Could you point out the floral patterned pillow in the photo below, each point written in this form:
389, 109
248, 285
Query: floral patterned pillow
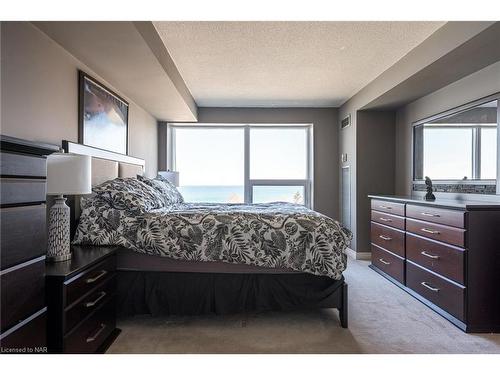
167, 190
129, 194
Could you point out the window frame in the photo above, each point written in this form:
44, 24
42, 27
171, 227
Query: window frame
307, 183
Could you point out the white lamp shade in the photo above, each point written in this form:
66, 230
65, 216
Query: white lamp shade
170, 176
68, 174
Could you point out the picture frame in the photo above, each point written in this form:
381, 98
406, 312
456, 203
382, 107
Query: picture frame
102, 116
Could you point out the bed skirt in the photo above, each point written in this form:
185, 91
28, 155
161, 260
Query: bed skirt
185, 293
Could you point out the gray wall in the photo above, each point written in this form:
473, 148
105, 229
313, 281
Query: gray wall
326, 155
370, 147
475, 86
375, 166
39, 99
347, 145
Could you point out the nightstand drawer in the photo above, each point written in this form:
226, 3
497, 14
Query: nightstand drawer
88, 337
90, 303
81, 284
388, 238
23, 291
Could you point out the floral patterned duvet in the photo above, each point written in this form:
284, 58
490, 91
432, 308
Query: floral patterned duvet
276, 235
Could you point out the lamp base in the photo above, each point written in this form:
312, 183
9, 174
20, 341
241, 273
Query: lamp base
58, 246
58, 258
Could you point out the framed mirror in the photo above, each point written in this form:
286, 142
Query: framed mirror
460, 146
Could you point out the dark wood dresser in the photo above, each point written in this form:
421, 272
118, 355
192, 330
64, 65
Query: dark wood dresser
23, 245
446, 253
81, 301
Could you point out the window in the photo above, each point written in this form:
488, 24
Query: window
476, 159
242, 163
460, 145
488, 153
211, 162
440, 158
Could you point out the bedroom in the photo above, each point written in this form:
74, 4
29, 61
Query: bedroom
250, 194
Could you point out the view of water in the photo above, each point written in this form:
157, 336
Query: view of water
235, 194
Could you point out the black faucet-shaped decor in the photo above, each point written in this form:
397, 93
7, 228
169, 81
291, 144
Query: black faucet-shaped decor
429, 196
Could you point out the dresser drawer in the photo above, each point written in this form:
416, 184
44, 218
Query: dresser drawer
453, 218
389, 207
388, 238
443, 293
90, 303
29, 334
22, 191
23, 291
23, 234
454, 236
13, 164
443, 259
389, 263
87, 337
81, 284
388, 219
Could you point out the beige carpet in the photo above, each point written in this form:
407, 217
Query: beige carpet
382, 319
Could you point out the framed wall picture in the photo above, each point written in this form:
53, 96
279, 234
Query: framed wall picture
102, 116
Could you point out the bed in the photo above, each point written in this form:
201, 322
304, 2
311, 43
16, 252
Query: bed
203, 258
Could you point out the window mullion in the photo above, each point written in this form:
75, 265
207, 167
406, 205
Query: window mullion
476, 152
247, 187
171, 148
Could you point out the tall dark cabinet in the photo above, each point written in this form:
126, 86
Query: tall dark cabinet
23, 245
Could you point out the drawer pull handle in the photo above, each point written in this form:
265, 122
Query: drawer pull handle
386, 220
96, 301
425, 253
98, 332
430, 231
429, 214
385, 238
384, 262
94, 279
386, 207
429, 287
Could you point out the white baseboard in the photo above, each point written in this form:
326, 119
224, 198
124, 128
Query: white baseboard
358, 255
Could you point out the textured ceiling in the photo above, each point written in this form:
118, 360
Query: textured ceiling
252, 64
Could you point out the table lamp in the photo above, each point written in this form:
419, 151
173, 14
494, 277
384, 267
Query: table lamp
67, 174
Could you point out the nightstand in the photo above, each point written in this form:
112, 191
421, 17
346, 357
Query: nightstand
81, 301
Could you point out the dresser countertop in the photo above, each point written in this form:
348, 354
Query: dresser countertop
440, 202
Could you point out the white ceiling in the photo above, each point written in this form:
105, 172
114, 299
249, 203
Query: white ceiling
265, 64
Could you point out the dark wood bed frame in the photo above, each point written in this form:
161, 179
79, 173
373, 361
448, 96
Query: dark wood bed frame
338, 299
